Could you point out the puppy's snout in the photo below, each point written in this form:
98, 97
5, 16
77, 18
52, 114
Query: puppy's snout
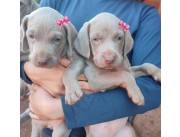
109, 56
42, 59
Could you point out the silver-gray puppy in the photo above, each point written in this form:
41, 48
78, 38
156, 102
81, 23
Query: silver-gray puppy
103, 47
47, 43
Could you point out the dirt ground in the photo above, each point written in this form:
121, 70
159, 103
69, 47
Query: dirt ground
146, 125
25, 127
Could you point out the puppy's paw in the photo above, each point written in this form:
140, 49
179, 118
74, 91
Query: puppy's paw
72, 95
157, 75
136, 96
138, 99
152, 70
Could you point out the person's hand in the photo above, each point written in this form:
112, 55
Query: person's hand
48, 82
86, 87
51, 78
48, 78
43, 105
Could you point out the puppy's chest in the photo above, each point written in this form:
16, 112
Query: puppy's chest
101, 79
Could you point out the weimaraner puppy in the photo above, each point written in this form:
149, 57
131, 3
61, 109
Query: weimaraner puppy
47, 42
103, 44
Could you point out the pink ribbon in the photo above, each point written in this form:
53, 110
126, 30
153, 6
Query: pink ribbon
63, 21
124, 26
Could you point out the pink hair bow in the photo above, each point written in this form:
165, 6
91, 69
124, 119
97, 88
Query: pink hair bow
63, 21
124, 26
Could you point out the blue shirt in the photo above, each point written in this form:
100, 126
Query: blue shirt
145, 28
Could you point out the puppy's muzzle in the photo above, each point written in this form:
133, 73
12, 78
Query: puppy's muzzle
109, 56
42, 60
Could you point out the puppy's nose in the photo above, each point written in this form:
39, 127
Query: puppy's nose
109, 57
42, 61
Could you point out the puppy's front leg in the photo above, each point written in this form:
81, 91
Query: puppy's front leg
73, 90
129, 83
36, 129
147, 69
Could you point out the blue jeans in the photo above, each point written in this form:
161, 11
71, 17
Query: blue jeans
76, 132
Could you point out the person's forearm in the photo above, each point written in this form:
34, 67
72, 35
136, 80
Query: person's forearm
84, 113
23, 74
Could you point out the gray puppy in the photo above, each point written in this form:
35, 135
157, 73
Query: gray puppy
103, 47
47, 43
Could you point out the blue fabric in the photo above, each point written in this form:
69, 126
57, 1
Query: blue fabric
78, 132
145, 28
23, 74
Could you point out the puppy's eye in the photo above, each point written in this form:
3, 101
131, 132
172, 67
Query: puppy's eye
31, 36
119, 38
96, 39
57, 40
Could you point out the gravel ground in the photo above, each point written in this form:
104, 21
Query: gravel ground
146, 125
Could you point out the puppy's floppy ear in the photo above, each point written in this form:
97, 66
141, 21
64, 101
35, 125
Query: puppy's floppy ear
82, 43
71, 34
23, 39
128, 42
